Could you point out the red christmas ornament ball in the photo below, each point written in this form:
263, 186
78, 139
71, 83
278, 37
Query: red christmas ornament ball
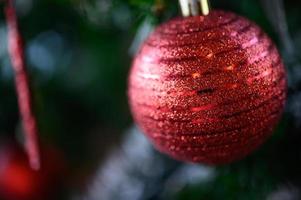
19, 182
207, 89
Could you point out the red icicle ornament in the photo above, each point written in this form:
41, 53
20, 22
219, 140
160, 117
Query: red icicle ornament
25, 101
207, 89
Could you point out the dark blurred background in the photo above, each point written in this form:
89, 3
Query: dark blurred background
78, 54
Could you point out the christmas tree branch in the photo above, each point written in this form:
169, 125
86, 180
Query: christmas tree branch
22, 86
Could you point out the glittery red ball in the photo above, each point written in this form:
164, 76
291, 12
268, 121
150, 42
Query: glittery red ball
207, 89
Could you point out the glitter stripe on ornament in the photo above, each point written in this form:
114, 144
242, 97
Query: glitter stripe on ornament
170, 125
177, 97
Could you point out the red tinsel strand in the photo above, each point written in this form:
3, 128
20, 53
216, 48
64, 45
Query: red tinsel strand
22, 82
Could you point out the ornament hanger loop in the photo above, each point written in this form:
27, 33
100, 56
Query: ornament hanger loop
194, 7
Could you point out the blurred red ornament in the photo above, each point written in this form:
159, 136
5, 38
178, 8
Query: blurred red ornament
18, 181
207, 89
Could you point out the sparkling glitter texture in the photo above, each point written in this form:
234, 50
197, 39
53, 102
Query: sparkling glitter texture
207, 89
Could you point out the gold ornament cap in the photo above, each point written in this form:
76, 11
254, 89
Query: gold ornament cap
194, 7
